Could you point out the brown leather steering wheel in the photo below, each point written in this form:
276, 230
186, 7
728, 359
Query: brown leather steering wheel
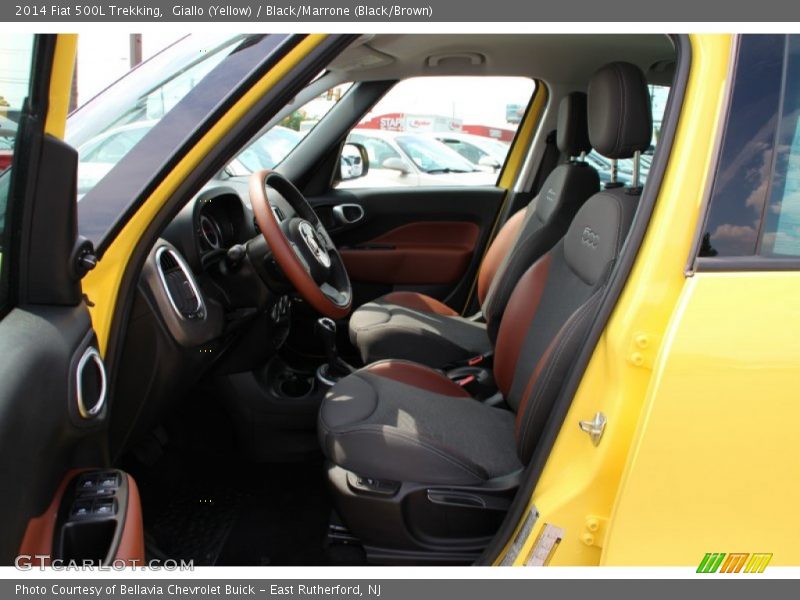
301, 246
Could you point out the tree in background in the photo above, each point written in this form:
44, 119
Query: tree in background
293, 120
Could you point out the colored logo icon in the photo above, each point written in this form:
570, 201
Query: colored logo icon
742, 562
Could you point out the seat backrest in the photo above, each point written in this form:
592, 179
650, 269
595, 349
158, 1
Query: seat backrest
556, 300
533, 230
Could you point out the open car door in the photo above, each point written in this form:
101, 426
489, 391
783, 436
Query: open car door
54, 500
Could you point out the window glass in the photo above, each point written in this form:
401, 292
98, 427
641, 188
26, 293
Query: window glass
131, 131
441, 131
743, 174
781, 231
271, 147
16, 51
105, 132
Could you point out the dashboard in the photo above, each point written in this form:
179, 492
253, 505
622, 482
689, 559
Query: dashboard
206, 303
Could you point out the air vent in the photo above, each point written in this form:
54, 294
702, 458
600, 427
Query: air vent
91, 384
179, 284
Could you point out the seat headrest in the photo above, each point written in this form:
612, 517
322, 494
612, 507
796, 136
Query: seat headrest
572, 131
596, 234
620, 116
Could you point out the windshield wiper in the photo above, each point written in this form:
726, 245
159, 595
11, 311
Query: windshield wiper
448, 170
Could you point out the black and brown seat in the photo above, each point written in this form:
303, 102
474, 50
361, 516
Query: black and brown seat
409, 325
419, 468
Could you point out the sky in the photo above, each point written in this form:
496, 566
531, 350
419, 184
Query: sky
102, 59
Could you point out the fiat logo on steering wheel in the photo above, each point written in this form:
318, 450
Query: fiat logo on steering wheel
310, 238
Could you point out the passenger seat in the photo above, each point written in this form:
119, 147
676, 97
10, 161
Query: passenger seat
413, 326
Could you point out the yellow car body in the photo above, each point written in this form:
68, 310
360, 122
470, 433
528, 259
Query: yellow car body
696, 372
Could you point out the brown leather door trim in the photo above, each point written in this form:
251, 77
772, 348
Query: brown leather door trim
38, 538
426, 252
131, 544
40, 533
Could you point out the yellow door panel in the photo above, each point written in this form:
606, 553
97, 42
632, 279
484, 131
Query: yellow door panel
723, 408
579, 484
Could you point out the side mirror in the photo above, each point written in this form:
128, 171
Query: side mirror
353, 161
397, 164
488, 161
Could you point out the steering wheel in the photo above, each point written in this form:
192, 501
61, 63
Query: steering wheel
301, 246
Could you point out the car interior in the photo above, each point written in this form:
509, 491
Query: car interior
320, 375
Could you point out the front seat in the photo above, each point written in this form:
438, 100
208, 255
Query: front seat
420, 470
417, 327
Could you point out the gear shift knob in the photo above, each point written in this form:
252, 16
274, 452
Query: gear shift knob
326, 330
335, 368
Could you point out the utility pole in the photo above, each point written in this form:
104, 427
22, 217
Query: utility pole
73, 92
135, 49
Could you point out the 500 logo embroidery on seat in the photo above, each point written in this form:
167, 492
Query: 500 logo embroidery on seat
590, 238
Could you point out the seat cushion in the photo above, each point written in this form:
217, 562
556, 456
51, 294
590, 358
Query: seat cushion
411, 326
400, 421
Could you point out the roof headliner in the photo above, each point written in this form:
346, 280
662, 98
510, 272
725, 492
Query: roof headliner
553, 58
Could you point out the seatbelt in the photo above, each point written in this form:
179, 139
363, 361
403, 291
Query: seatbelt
550, 158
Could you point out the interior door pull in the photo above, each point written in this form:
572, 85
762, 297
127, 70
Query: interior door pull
347, 214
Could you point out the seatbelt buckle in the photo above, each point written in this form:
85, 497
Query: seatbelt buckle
465, 381
476, 360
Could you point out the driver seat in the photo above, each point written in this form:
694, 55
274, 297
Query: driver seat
420, 470
413, 326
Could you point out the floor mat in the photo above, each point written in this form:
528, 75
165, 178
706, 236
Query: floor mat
245, 516
283, 520
203, 501
192, 525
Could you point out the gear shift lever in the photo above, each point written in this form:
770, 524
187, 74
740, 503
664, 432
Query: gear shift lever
326, 330
335, 368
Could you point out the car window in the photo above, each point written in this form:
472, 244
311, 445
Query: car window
469, 151
431, 156
441, 131
780, 235
754, 208
104, 135
270, 148
15, 77
658, 103
378, 150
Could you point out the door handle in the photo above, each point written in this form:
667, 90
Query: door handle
347, 214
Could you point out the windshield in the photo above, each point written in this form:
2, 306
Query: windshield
268, 150
108, 127
432, 156
130, 132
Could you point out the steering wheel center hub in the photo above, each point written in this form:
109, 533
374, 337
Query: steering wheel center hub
313, 243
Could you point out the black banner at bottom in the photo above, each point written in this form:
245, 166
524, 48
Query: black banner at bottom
733, 588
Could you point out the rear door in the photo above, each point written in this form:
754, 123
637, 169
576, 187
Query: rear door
421, 217
52, 379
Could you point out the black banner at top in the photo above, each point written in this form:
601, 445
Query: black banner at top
400, 11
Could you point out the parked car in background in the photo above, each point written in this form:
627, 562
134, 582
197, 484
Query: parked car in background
484, 152
411, 159
100, 154
8, 130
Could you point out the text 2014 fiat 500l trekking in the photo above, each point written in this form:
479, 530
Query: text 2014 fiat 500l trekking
286, 360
